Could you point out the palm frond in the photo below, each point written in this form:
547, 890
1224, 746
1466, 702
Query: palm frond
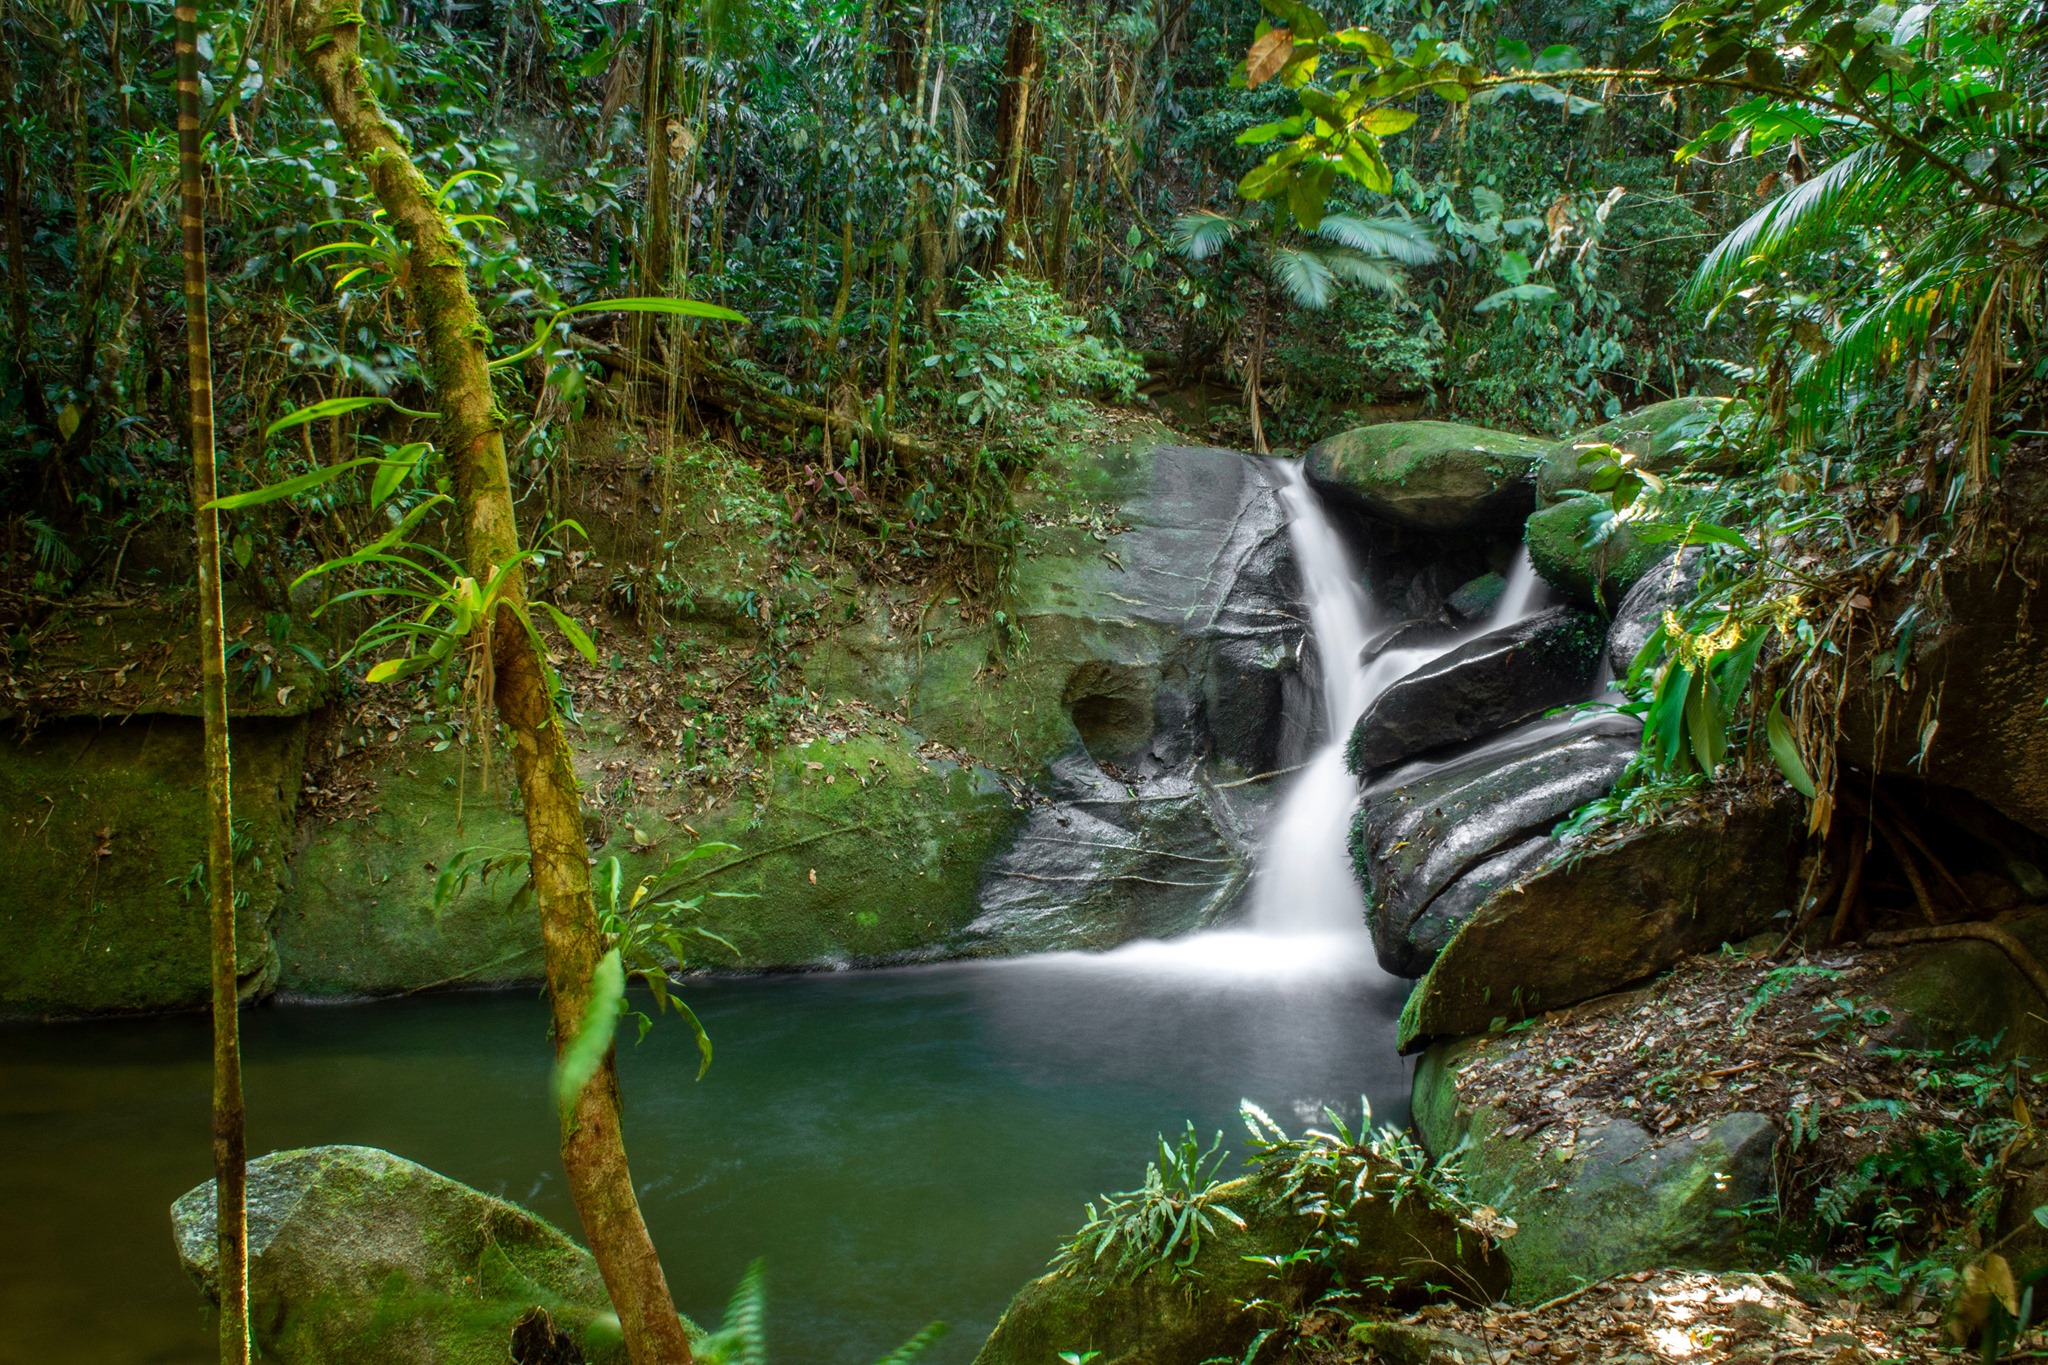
1849, 188
1356, 267
1397, 239
1306, 277
1202, 233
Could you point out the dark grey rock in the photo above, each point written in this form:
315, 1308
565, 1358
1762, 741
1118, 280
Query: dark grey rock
1670, 584
1432, 842
1486, 685
1477, 597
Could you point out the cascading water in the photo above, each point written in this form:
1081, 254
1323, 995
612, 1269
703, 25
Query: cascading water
1305, 883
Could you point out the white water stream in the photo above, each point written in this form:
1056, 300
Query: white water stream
1307, 911
1305, 883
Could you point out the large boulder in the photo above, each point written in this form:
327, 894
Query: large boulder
1612, 915
1609, 1199
1485, 685
1596, 576
1433, 842
1159, 1316
1430, 476
359, 1257
1659, 436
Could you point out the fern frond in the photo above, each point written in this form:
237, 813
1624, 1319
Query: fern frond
916, 1346
1355, 267
1793, 220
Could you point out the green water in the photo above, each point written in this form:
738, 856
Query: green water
901, 1145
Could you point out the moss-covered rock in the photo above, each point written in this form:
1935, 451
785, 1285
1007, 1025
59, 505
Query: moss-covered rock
1158, 1317
1611, 1201
1655, 435
1432, 476
359, 1257
1610, 917
104, 838
851, 851
1590, 575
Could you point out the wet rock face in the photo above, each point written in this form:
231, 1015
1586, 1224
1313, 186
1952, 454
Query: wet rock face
1430, 476
1432, 842
359, 1257
1180, 667
1595, 576
1484, 686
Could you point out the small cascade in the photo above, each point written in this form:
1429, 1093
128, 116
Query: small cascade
1305, 883
1525, 593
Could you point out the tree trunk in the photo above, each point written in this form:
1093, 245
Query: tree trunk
325, 37
1013, 121
230, 1147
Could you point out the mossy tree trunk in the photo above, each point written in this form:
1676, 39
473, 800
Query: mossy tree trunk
230, 1147
325, 37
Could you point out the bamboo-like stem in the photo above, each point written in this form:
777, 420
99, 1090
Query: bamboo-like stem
326, 39
230, 1145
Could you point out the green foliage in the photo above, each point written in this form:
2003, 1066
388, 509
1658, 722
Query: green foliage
1175, 1207
1017, 354
742, 1335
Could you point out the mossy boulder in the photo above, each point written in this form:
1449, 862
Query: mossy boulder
1658, 436
1159, 1317
103, 829
1611, 916
1589, 575
359, 1257
1608, 1201
1431, 476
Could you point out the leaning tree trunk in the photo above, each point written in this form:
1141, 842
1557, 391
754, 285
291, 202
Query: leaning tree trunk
325, 37
230, 1146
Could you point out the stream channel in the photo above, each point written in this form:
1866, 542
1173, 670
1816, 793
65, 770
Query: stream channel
901, 1145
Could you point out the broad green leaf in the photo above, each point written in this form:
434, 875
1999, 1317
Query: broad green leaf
336, 407
689, 308
1785, 749
696, 1028
392, 470
1387, 122
585, 1053
290, 488
576, 635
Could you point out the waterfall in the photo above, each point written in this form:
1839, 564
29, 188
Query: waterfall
1305, 883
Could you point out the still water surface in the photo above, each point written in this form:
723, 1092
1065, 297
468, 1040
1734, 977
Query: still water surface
901, 1145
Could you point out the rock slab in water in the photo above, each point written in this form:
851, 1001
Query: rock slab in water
1431, 843
359, 1257
1613, 1201
1614, 916
1154, 1319
1486, 685
1652, 434
1431, 476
